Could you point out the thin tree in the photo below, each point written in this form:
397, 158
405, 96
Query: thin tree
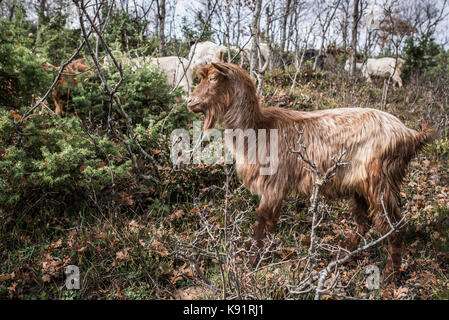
355, 22
284, 24
161, 26
255, 32
325, 24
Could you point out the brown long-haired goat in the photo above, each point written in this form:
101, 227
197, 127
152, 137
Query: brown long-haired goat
378, 147
67, 81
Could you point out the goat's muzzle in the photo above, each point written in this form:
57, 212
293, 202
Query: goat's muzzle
197, 105
194, 104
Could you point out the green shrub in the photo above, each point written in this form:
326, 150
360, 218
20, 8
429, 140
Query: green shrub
55, 164
55, 42
440, 147
421, 55
141, 93
21, 74
48, 162
123, 31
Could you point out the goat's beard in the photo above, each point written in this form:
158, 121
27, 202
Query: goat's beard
209, 118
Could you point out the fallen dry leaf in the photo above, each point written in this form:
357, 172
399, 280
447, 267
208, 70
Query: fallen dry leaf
123, 255
400, 293
7, 276
134, 226
56, 244
159, 247
192, 293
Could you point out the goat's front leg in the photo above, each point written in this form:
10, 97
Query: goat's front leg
58, 109
266, 216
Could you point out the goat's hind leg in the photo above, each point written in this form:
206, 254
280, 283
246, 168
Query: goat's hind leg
395, 239
259, 228
360, 214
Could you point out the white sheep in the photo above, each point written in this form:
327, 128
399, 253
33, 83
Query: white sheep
264, 51
384, 68
174, 67
358, 65
121, 58
177, 71
204, 53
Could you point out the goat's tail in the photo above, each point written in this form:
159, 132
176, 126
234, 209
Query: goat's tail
426, 134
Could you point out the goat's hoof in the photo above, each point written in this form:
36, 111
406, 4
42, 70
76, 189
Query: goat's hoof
254, 260
350, 243
390, 275
271, 228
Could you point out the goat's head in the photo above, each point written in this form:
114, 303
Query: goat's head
213, 94
46, 66
80, 65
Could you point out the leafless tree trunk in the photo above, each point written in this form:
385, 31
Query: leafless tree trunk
255, 31
237, 40
325, 24
269, 10
284, 24
41, 13
12, 11
228, 31
396, 42
299, 54
161, 24
293, 21
355, 23
344, 23
257, 65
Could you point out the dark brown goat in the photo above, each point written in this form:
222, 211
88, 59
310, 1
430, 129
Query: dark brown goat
378, 147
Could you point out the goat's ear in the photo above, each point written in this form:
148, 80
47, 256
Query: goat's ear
222, 68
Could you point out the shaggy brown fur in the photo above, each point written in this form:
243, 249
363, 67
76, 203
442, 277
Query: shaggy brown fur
377, 144
68, 80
